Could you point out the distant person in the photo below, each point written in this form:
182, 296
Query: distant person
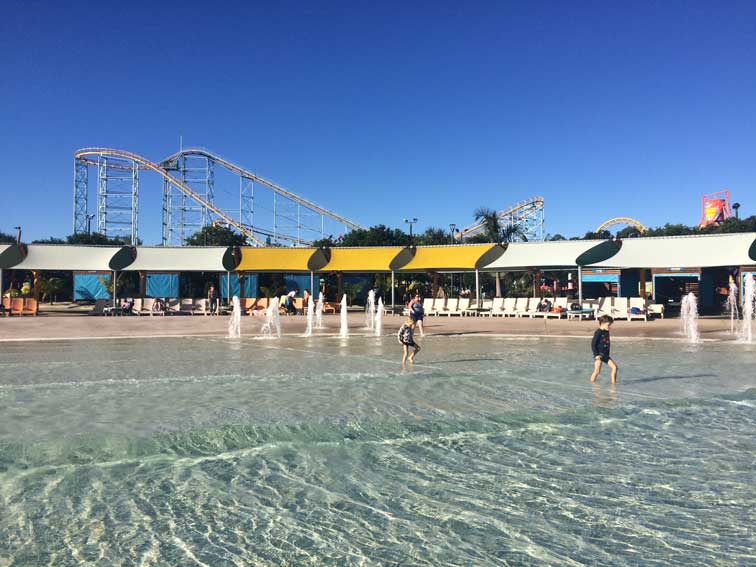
212, 298
289, 302
407, 340
544, 306
601, 345
158, 306
416, 312
306, 297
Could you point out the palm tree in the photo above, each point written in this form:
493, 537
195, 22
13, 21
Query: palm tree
495, 232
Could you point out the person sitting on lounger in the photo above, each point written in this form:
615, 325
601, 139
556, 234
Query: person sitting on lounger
158, 306
289, 302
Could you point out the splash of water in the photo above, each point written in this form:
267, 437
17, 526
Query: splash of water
689, 317
272, 326
344, 332
234, 322
310, 316
749, 309
732, 305
319, 312
379, 319
370, 310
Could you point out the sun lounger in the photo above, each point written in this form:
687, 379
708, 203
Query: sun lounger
137, 307
439, 306
186, 306
656, 309
6, 310
147, 304
462, 306
497, 307
604, 306
620, 308
451, 306
427, 305
532, 308
521, 307
640, 304
509, 309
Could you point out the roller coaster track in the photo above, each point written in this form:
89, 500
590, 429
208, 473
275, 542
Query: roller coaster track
513, 214
86, 155
623, 221
167, 164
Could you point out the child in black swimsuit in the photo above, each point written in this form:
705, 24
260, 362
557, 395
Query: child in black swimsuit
407, 340
601, 345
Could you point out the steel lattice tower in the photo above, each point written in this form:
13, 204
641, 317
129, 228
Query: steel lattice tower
183, 216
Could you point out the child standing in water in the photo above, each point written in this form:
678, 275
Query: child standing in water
601, 344
407, 340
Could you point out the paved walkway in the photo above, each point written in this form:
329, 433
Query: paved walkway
79, 327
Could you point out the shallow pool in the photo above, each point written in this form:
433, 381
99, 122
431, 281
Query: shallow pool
491, 451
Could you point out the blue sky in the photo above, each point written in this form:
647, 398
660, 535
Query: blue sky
386, 110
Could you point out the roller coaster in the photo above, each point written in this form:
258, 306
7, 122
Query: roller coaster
189, 199
527, 214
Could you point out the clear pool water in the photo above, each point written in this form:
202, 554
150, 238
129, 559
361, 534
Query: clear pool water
491, 451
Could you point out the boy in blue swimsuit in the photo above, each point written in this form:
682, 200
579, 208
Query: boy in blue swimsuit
407, 340
600, 345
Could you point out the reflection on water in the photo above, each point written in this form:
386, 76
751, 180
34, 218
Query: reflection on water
314, 452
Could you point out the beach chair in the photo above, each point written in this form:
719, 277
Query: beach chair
99, 307
439, 305
5, 311
173, 306
17, 306
532, 309
521, 306
604, 306
497, 307
137, 307
451, 306
330, 307
656, 309
31, 306
187, 307
508, 310
428, 305
147, 304
463, 305
559, 308
640, 304
200, 306
620, 308
299, 305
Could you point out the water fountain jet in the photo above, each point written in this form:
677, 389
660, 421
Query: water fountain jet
310, 316
689, 317
344, 331
370, 310
319, 312
234, 322
378, 330
749, 308
272, 321
732, 305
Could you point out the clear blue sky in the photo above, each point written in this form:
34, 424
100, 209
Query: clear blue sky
386, 110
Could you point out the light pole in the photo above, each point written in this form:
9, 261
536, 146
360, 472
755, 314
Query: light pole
18, 234
89, 218
452, 226
410, 222
736, 206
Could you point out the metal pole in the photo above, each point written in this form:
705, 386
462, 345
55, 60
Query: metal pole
580, 286
115, 293
312, 283
1, 285
477, 287
228, 287
392, 291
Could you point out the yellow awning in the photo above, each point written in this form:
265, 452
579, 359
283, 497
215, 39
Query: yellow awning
364, 259
453, 257
280, 259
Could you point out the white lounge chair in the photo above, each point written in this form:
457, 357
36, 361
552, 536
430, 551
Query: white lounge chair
521, 307
451, 305
497, 307
173, 306
620, 308
200, 306
439, 306
147, 304
656, 309
640, 304
532, 306
427, 305
137, 307
604, 306
559, 303
462, 305
508, 310
187, 306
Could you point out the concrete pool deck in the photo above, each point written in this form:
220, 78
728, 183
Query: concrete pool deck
49, 327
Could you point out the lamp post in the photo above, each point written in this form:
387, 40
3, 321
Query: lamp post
89, 218
18, 234
452, 226
736, 206
410, 222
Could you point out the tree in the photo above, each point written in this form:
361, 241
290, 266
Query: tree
50, 286
7, 238
96, 238
51, 240
555, 237
433, 235
216, 235
489, 218
379, 235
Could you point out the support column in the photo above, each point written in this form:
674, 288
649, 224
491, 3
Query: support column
35, 285
312, 284
115, 289
580, 286
642, 284
142, 284
1, 285
392, 292
477, 287
228, 287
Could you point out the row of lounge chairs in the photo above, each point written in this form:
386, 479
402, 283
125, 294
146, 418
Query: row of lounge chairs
19, 306
617, 307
